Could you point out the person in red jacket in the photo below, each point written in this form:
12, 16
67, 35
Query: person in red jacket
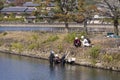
77, 42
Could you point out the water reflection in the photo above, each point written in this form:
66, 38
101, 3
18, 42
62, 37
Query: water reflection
23, 68
52, 72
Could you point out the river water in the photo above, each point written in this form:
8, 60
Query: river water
13, 67
19, 28
35, 28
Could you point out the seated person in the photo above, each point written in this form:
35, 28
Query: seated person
77, 42
86, 42
56, 59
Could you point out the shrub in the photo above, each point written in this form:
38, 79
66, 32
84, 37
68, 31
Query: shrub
5, 33
108, 58
51, 39
17, 46
60, 47
1, 43
71, 36
35, 37
32, 46
1, 17
116, 56
93, 61
94, 52
11, 19
83, 33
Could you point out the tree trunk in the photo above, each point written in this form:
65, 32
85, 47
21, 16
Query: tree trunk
116, 30
66, 27
85, 26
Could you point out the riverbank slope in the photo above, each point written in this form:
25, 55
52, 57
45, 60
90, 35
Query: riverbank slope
105, 53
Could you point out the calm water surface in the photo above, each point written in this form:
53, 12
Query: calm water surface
19, 28
24, 28
14, 67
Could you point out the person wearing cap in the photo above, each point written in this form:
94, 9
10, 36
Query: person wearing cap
51, 57
77, 42
56, 59
85, 42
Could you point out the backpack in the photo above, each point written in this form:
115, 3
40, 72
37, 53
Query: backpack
89, 41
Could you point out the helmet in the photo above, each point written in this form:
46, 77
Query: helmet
52, 52
76, 37
82, 37
56, 55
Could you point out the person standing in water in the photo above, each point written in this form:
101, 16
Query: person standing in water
51, 57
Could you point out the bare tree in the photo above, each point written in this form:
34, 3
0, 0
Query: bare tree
20, 2
1, 4
65, 10
85, 11
112, 9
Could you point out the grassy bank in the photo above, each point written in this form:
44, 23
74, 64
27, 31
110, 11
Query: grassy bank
104, 54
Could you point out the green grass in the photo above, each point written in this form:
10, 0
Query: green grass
108, 58
71, 36
17, 46
32, 46
51, 39
94, 52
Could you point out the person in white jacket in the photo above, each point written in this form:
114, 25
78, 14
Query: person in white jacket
85, 42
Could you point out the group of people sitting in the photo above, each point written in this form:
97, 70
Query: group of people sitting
85, 42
